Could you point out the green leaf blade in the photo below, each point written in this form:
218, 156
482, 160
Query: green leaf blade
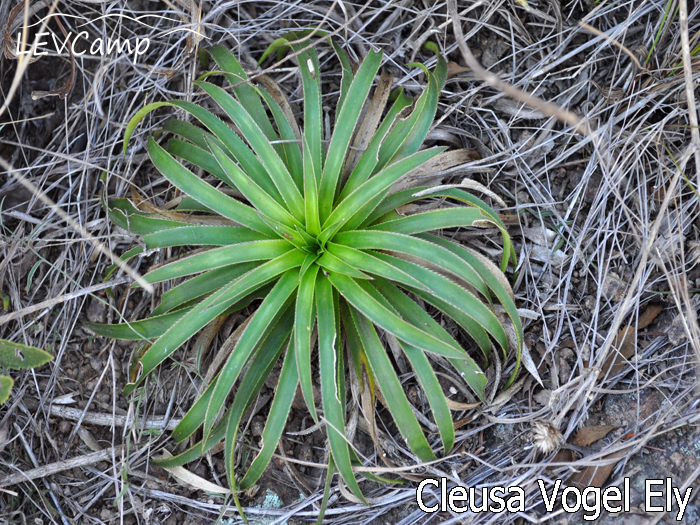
276, 420
201, 285
257, 196
413, 313
199, 157
270, 159
6, 383
347, 117
17, 356
265, 357
377, 185
124, 214
264, 318
433, 252
389, 321
304, 322
245, 92
329, 356
198, 235
391, 387
313, 220
146, 329
209, 309
219, 257
192, 185
365, 167
432, 220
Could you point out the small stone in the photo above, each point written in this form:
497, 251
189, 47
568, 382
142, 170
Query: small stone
257, 426
614, 287
542, 397
677, 459
201, 470
304, 453
492, 50
677, 333
64, 427
413, 395
97, 364
97, 311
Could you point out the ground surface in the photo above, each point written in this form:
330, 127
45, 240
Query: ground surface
606, 234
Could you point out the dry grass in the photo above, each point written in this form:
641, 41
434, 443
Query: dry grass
604, 221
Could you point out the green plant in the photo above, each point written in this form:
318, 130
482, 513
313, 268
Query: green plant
315, 234
16, 356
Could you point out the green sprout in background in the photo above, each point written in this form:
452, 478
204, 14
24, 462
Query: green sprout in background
17, 357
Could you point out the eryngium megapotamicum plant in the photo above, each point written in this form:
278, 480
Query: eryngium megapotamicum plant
311, 228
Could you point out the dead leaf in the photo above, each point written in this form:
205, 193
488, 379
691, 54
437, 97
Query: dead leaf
677, 333
509, 219
276, 92
187, 479
11, 26
505, 396
468, 184
650, 313
437, 168
193, 37
454, 69
596, 476
207, 335
370, 122
588, 435
658, 194
87, 438
461, 422
565, 455
4, 432
507, 324
625, 344
626, 340
161, 213
456, 405
65, 399
442, 134
515, 108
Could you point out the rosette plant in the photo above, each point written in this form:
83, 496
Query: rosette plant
308, 223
